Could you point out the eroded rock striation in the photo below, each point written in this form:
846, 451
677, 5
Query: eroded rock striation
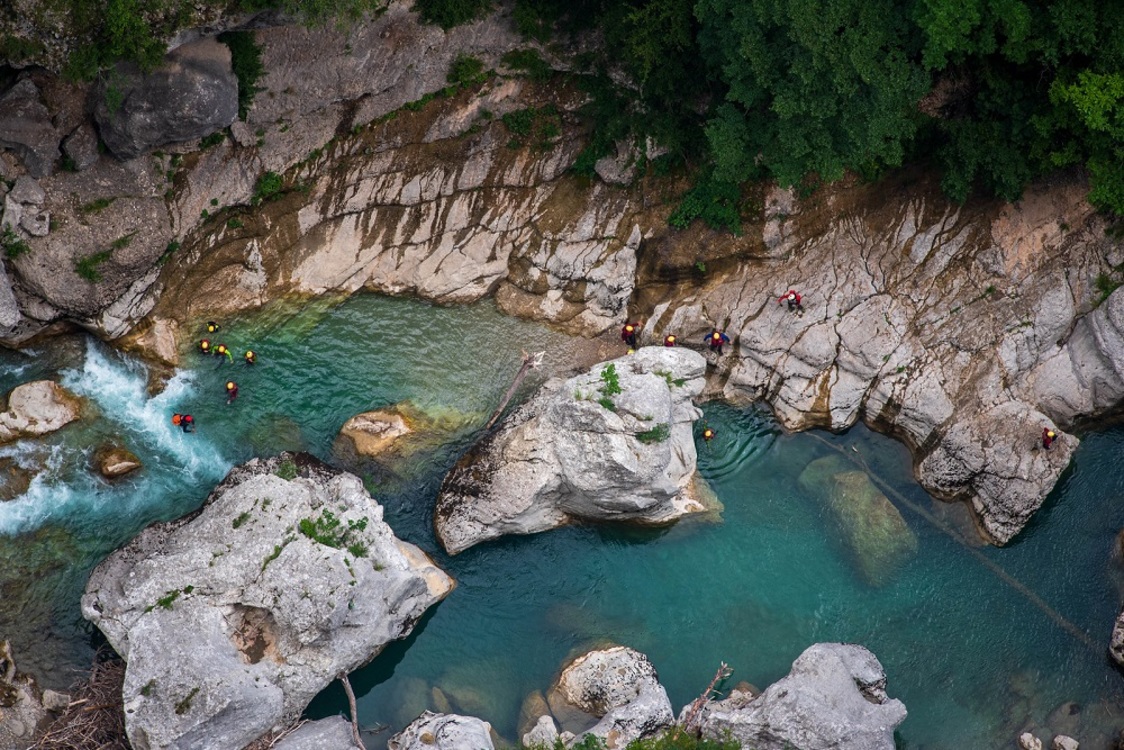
233, 618
612, 444
834, 698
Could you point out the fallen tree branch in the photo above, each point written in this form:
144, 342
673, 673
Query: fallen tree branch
530, 361
354, 710
696, 708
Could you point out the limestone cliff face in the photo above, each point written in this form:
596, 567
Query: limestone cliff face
963, 330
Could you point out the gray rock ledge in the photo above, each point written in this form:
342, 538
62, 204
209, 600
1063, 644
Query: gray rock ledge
232, 619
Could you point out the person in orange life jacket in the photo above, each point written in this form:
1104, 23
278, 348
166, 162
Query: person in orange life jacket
793, 299
205, 346
231, 391
716, 340
251, 358
185, 422
629, 334
1048, 437
669, 340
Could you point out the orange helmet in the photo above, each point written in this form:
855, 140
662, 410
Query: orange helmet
176, 419
230, 386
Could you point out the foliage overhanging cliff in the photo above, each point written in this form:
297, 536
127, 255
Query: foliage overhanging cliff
992, 93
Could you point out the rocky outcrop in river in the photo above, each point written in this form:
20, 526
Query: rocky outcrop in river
233, 618
613, 444
37, 408
833, 699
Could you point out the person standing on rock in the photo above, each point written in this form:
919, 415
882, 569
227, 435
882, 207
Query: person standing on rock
629, 334
716, 340
793, 298
669, 340
1048, 437
231, 391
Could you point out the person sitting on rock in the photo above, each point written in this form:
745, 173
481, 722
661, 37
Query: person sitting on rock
1048, 437
716, 340
231, 391
793, 298
629, 335
669, 340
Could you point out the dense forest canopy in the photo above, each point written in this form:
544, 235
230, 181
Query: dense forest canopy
992, 93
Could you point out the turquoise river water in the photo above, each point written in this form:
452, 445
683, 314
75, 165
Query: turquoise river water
979, 643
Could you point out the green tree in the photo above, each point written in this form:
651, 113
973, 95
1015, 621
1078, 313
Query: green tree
814, 85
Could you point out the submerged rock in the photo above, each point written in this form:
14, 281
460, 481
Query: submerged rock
1116, 643
834, 698
114, 461
233, 618
872, 528
373, 432
613, 444
432, 731
37, 408
620, 687
24, 708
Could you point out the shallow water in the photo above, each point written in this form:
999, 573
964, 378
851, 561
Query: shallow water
974, 658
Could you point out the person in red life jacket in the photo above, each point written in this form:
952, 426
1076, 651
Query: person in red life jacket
1048, 437
205, 346
793, 299
716, 340
629, 334
708, 435
184, 421
251, 358
669, 340
231, 391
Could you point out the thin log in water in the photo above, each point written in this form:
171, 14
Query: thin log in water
354, 711
530, 361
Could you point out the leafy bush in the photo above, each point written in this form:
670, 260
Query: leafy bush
213, 139
331, 532
287, 470
96, 205
87, 267
245, 59
450, 13
466, 70
715, 202
12, 244
520, 122
268, 187
530, 62
657, 434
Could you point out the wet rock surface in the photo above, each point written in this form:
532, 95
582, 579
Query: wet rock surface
26, 127
113, 461
233, 618
613, 444
834, 698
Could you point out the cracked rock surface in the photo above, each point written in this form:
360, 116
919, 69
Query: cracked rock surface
566, 455
962, 337
233, 618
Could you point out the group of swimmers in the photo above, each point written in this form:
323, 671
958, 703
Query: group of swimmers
185, 421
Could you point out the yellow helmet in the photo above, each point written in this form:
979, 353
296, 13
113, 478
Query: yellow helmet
230, 385
1051, 433
249, 354
671, 337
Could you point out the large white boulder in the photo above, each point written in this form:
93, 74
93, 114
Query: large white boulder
834, 698
37, 408
233, 618
580, 450
432, 731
